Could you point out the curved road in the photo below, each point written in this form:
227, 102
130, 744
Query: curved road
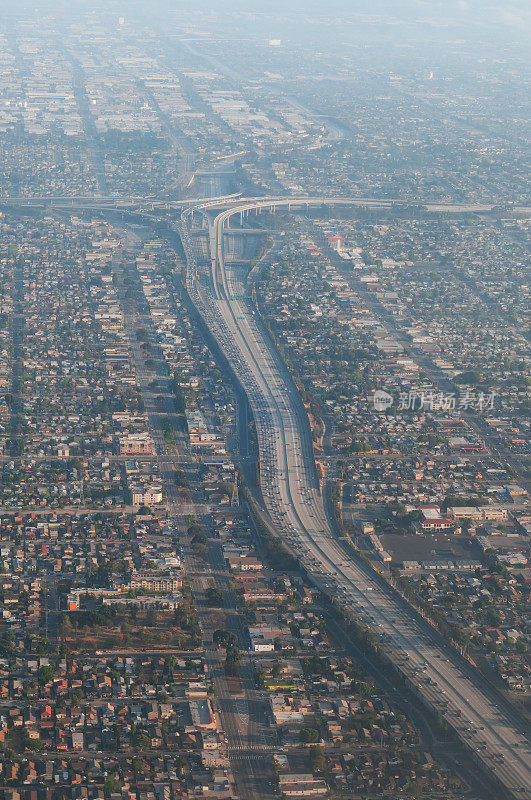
292, 497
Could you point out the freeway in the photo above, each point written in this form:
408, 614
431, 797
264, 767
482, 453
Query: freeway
236, 204
110, 202
292, 497
247, 205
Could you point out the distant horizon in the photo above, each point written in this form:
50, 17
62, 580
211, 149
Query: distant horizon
491, 29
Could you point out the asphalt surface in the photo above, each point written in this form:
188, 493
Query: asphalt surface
292, 497
243, 718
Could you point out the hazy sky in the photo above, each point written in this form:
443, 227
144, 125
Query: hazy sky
496, 21
510, 12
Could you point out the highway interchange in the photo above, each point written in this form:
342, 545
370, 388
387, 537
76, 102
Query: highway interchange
292, 497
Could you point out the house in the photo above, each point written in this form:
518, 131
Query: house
259, 645
146, 495
432, 519
155, 581
136, 444
78, 740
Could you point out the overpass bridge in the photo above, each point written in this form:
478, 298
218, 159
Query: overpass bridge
244, 206
488, 726
442, 681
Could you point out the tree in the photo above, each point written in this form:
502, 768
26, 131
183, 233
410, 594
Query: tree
33, 744
46, 673
361, 688
201, 550
170, 664
232, 659
471, 377
197, 533
260, 676
309, 735
140, 738
317, 758
139, 766
276, 670
233, 654
180, 479
223, 638
8, 642
111, 784
66, 626
77, 697
493, 616
213, 597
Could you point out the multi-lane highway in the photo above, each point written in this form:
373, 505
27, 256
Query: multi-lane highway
292, 497
236, 204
